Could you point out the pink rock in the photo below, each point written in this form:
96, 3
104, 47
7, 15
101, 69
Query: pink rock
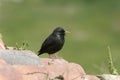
91, 77
25, 65
7, 72
76, 72
1, 44
51, 69
2, 62
31, 72
56, 67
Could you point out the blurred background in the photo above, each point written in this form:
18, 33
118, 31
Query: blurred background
94, 24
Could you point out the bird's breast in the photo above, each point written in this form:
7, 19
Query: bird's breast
60, 44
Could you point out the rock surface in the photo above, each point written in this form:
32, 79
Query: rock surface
49, 70
25, 65
1, 44
20, 57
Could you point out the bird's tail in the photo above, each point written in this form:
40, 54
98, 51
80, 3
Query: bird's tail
39, 53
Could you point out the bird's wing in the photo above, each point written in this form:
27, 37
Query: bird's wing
47, 43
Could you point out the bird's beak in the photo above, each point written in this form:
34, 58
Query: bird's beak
67, 32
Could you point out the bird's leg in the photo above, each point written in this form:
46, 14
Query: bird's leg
57, 57
54, 56
51, 57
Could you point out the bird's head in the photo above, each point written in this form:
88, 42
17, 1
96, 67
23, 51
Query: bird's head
59, 31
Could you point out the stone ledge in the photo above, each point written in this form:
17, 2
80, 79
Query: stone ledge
25, 65
48, 69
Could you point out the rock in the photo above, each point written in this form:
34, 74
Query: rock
1, 44
7, 72
21, 57
109, 77
25, 65
2, 62
59, 67
91, 77
32, 72
49, 69
28, 64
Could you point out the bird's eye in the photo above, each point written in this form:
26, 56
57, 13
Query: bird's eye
61, 31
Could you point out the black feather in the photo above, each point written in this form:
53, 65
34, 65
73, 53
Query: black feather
54, 42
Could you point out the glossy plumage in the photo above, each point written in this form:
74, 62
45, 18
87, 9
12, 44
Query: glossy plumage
54, 42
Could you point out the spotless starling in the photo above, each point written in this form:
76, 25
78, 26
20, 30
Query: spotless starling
54, 42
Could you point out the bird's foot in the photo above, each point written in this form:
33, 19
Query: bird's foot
58, 57
54, 56
51, 62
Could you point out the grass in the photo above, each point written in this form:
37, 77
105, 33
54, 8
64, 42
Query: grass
93, 26
112, 68
24, 46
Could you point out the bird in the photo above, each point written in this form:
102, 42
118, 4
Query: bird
54, 42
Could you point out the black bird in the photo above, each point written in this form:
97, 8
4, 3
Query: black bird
54, 42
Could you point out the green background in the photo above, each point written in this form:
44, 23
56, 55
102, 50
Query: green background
94, 24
